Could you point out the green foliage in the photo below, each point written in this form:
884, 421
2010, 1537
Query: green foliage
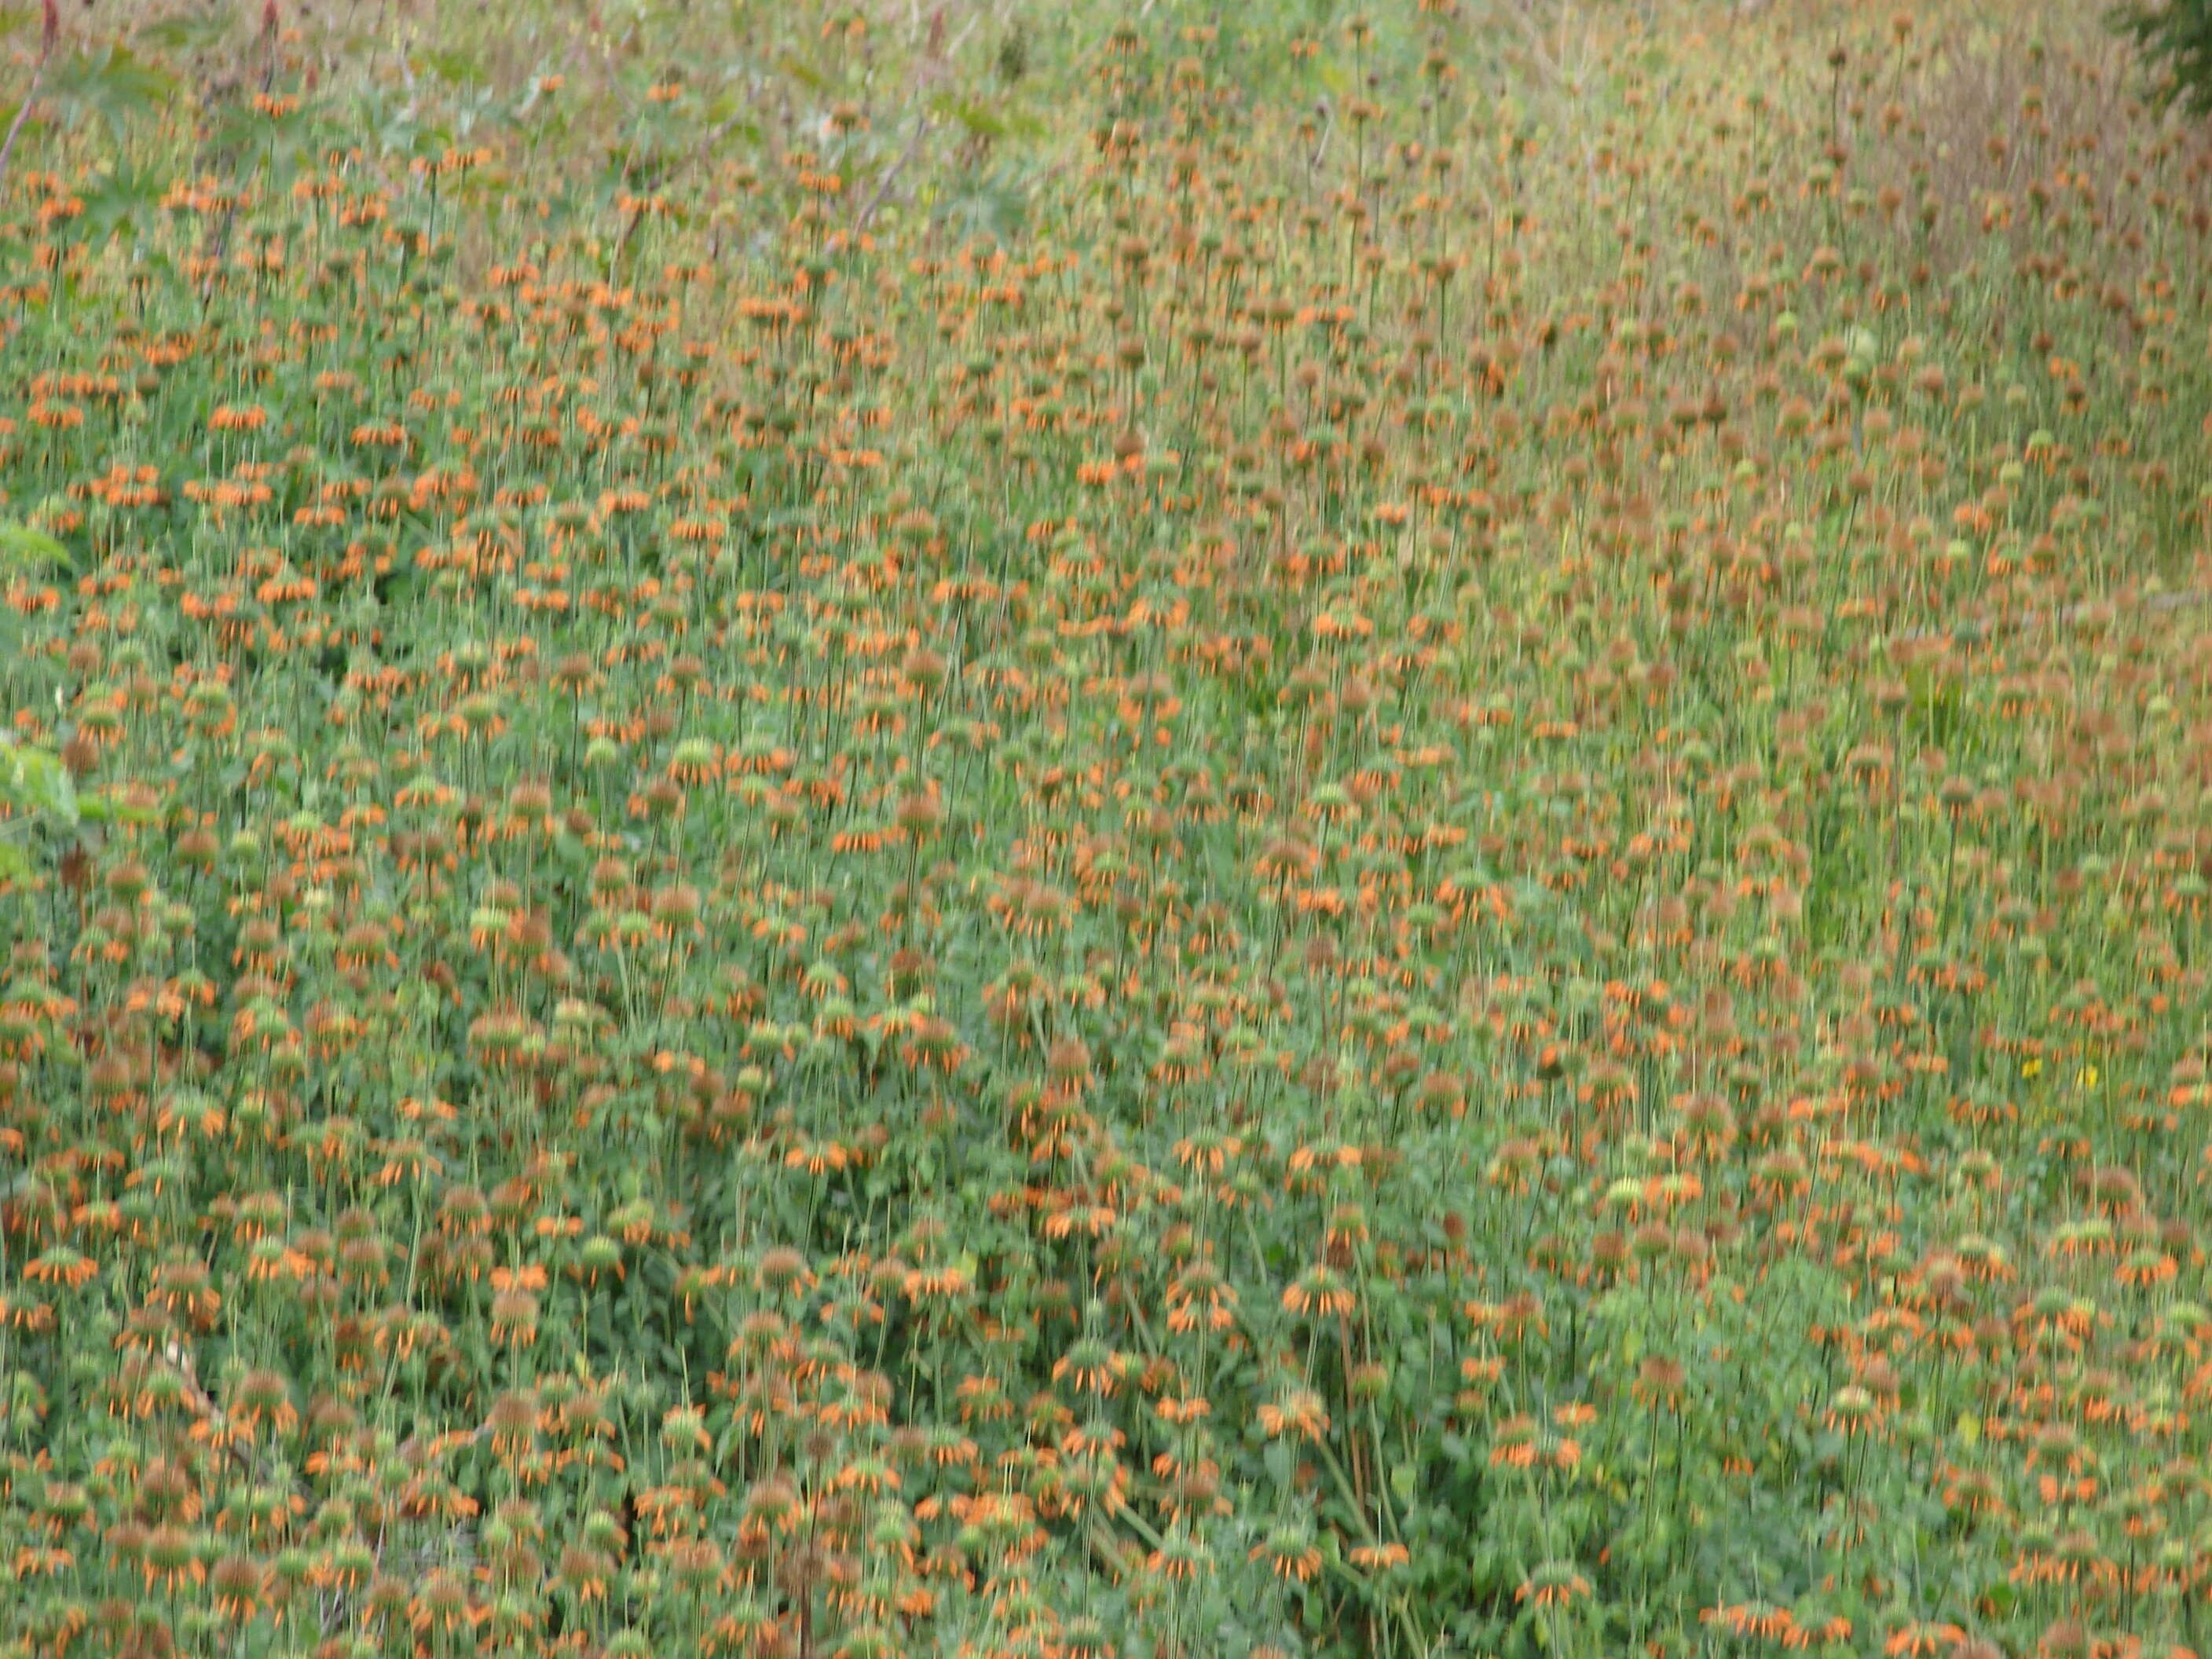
28, 551
2175, 37
36, 790
115, 86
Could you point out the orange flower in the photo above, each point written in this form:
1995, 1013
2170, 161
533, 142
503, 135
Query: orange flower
1290, 1552
1552, 1585
1760, 1619
1300, 1411
60, 1265
1319, 1290
1918, 1637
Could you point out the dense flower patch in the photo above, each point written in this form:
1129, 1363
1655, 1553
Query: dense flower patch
1427, 875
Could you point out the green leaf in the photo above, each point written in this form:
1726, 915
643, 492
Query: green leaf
26, 549
980, 121
35, 778
114, 87
1405, 1481
124, 204
456, 66
995, 207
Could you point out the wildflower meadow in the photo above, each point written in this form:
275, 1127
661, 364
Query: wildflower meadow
1130, 831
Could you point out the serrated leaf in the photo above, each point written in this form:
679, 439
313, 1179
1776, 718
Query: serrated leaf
113, 86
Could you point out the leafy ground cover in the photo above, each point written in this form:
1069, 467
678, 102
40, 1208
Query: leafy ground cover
1111, 831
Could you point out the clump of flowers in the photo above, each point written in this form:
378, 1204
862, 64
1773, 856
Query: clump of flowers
1326, 865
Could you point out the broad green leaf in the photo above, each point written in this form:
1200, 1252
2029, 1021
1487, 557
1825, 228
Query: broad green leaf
114, 86
25, 548
35, 778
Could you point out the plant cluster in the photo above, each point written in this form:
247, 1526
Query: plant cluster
1405, 861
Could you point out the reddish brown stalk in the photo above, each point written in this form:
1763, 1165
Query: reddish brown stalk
50, 31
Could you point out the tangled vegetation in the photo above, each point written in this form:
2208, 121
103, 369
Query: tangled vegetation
1122, 830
